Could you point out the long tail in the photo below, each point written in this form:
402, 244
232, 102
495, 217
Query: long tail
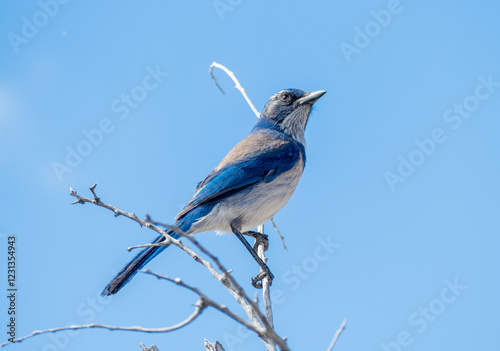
139, 261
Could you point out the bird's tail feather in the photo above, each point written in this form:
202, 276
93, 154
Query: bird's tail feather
139, 261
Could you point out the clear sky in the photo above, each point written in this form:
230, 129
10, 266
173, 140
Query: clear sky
394, 225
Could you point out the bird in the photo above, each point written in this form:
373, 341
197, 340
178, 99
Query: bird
251, 183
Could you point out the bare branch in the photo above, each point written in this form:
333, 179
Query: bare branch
152, 348
337, 334
259, 322
266, 295
209, 302
267, 320
266, 285
199, 307
168, 239
216, 346
278, 231
237, 86
239, 290
247, 303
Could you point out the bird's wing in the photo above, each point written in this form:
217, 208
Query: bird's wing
261, 166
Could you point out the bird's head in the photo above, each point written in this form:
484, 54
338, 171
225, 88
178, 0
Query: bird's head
289, 109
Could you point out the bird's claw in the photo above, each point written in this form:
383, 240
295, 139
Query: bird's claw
259, 238
257, 280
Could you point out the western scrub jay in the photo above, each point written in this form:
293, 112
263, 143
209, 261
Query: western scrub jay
253, 182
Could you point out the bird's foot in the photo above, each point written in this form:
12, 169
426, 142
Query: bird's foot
259, 238
261, 241
257, 280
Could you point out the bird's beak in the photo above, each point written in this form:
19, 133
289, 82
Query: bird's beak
311, 98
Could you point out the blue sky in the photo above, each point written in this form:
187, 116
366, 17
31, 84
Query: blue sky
394, 225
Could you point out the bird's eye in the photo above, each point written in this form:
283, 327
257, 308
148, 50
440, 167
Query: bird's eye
285, 97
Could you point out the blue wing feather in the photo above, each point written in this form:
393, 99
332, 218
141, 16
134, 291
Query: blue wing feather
264, 165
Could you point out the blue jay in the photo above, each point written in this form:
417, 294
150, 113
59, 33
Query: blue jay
253, 182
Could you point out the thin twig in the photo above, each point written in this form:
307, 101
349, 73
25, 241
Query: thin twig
237, 86
199, 307
278, 231
337, 334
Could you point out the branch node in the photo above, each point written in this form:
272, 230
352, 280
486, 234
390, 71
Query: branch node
78, 200
201, 303
96, 198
